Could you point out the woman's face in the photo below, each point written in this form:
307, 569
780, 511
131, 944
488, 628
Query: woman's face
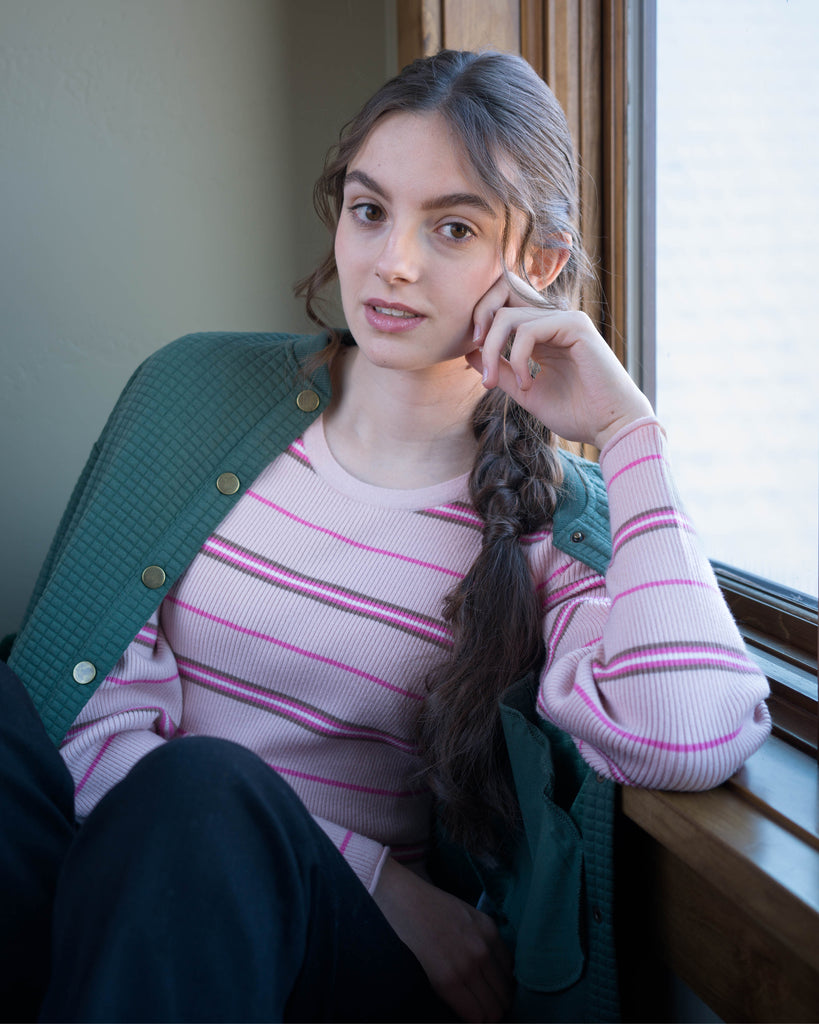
417, 244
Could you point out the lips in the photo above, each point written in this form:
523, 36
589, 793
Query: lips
391, 316
393, 311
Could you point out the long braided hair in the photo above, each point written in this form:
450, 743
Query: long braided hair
515, 135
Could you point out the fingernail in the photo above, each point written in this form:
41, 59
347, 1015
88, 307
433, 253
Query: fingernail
485, 375
520, 382
476, 336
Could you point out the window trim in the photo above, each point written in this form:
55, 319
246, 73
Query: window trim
724, 885
779, 625
641, 195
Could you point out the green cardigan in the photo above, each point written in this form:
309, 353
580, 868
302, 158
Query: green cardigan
149, 497
195, 425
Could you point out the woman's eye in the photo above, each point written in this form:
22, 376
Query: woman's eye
457, 232
368, 213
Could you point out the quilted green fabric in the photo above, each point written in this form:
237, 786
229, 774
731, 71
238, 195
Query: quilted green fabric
204, 405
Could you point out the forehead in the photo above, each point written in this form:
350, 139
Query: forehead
418, 151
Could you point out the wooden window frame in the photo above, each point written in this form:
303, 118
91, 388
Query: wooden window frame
724, 886
599, 57
732, 875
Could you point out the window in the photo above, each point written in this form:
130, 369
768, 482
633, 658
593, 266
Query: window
723, 97
737, 352
737, 113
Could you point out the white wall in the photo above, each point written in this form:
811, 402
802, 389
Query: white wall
156, 167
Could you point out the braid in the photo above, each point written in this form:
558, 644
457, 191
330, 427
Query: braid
495, 618
517, 140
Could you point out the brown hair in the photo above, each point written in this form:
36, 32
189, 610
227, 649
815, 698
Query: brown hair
516, 137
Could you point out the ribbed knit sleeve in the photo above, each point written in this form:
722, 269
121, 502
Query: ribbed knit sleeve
135, 709
646, 668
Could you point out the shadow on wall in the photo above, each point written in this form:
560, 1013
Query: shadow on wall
157, 179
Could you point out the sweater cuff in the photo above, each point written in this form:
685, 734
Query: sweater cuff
642, 438
630, 428
365, 856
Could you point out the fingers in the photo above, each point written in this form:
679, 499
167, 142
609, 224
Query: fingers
522, 330
505, 292
479, 985
459, 947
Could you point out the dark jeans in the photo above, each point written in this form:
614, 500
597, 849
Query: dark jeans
199, 889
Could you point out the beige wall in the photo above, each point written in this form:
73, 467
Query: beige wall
156, 167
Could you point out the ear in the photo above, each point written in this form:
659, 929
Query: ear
544, 264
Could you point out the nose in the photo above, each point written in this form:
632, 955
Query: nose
399, 259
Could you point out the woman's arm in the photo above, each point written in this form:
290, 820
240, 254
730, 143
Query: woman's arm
646, 669
139, 707
458, 946
135, 709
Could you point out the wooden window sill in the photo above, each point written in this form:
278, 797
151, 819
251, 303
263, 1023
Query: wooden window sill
729, 886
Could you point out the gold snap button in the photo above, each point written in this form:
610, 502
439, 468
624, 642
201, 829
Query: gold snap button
84, 672
577, 536
153, 577
308, 401
227, 483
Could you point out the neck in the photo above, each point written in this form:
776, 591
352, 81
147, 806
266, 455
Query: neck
402, 429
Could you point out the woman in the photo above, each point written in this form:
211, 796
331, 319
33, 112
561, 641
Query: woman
331, 557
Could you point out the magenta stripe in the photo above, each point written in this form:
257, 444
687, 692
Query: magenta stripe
353, 543
398, 794
560, 628
301, 714
636, 666
530, 539
132, 682
561, 625
663, 583
345, 843
558, 572
357, 603
616, 773
581, 586
675, 651
675, 748
81, 727
297, 451
93, 765
649, 522
455, 513
631, 465
166, 727
147, 637
295, 650
639, 668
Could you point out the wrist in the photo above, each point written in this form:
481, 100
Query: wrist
639, 411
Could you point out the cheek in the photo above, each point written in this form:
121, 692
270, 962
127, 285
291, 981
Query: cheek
473, 285
343, 257
339, 251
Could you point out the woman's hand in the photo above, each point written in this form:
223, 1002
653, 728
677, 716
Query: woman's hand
581, 392
459, 947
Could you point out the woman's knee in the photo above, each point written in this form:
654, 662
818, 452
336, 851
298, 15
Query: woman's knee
204, 788
193, 766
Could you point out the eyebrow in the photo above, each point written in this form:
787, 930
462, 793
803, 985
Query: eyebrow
433, 203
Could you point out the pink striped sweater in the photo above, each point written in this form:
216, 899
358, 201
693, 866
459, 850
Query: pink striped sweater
305, 626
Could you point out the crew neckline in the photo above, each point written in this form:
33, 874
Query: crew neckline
415, 498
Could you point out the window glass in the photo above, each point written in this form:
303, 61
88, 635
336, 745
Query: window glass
737, 278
